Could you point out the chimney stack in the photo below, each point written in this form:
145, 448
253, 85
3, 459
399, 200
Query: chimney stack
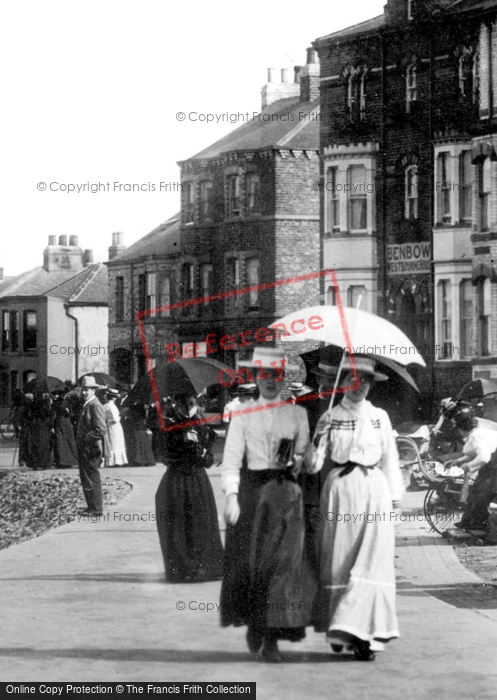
278, 87
309, 77
117, 246
62, 258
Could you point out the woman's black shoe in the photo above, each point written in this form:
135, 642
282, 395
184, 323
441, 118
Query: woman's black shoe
270, 652
362, 651
254, 639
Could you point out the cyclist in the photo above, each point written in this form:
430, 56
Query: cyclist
479, 458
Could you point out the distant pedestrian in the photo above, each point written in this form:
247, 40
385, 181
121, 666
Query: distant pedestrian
139, 437
89, 439
115, 448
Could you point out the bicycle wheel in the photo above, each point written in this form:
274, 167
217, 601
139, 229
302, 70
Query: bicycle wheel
441, 510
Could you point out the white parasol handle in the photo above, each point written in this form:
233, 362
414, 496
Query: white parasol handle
357, 306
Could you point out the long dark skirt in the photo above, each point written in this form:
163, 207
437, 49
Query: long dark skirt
188, 526
139, 448
65, 450
267, 583
481, 494
39, 453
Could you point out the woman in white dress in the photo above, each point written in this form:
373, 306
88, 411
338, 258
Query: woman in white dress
114, 445
356, 603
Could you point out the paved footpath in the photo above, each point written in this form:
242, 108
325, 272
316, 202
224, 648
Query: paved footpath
88, 602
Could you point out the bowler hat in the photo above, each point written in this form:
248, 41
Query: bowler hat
88, 382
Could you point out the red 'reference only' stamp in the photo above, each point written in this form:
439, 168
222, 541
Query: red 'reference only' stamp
212, 343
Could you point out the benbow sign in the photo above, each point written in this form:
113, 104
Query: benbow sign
408, 258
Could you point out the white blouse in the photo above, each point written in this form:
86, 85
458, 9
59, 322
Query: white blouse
257, 434
363, 434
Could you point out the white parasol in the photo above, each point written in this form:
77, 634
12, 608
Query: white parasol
357, 331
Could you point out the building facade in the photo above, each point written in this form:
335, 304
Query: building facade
409, 175
249, 216
54, 319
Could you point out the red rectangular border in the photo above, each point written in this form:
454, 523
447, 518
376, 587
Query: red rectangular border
238, 292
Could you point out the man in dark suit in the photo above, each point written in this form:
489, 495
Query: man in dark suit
89, 439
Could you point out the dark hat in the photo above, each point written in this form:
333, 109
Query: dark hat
325, 370
364, 365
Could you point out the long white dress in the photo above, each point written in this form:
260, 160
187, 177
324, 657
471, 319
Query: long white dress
357, 577
114, 445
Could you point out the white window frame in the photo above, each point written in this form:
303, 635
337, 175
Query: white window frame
359, 195
411, 85
411, 193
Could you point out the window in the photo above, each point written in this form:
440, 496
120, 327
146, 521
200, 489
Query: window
443, 188
358, 203
119, 299
29, 330
165, 295
331, 297
411, 86
233, 303
14, 331
253, 280
5, 330
142, 292
411, 192
445, 326
483, 300
206, 200
465, 187
356, 297
356, 94
233, 185
468, 72
207, 274
151, 293
189, 202
484, 189
188, 281
253, 194
466, 320
332, 196
27, 376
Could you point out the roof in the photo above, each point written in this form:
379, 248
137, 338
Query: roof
88, 285
280, 125
163, 240
370, 25
91, 286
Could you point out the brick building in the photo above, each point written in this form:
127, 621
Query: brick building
409, 176
249, 215
54, 318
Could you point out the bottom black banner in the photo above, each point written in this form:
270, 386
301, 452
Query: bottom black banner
128, 690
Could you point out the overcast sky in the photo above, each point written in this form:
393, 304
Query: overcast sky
90, 94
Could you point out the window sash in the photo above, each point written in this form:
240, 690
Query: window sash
29, 330
165, 295
253, 279
119, 298
466, 320
5, 330
206, 199
234, 195
466, 187
14, 330
151, 301
253, 194
411, 193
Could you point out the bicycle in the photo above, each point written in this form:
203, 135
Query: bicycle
442, 504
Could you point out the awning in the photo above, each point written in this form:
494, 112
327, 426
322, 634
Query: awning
485, 270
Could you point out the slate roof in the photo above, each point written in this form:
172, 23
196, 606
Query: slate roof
89, 285
370, 25
287, 129
163, 240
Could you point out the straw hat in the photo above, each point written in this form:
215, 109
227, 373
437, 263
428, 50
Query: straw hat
263, 357
89, 382
364, 365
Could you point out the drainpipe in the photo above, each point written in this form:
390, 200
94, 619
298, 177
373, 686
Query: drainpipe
384, 175
76, 340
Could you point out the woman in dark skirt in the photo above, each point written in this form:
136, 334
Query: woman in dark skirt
138, 437
186, 511
65, 451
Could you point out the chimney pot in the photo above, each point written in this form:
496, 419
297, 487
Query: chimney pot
296, 73
285, 75
88, 257
63, 240
52, 240
117, 238
272, 75
73, 240
312, 56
